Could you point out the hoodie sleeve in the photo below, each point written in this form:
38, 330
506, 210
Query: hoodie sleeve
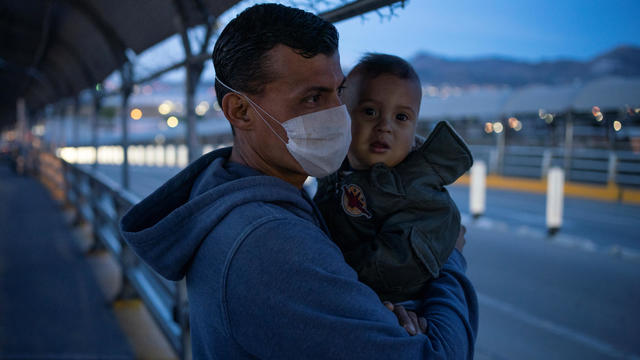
289, 294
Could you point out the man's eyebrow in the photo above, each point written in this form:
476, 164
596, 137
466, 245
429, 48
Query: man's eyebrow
324, 88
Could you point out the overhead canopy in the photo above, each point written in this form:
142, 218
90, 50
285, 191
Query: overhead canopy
53, 49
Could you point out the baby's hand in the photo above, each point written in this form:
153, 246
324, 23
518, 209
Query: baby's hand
411, 322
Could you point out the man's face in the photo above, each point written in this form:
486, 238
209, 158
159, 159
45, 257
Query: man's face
300, 86
383, 119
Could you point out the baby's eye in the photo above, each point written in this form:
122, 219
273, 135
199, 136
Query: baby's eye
370, 112
402, 117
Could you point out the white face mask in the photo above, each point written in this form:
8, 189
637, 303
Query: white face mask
319, 141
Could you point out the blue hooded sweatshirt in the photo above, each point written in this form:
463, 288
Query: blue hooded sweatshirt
265, 281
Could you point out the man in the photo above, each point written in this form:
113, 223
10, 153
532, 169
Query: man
264, 279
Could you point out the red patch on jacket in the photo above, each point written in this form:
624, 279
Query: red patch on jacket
354, 202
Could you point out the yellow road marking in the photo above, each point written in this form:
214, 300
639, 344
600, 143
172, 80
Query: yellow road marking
610, 192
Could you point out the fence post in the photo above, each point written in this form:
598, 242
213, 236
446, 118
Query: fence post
493, 161
478, 189
182, 302
568, 143
96, 223
500, 152
555, 199
612, 168
546, 162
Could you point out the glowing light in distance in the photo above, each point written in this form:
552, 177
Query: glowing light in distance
38, 130
541, 113
488, 127
513, 122
164, 108
497, 127
617, 125
596, 113
518, 126
548, 118
170, 155
160, 155
182, 156
136, 114
216, 107
172, 121
149, 155
202, 108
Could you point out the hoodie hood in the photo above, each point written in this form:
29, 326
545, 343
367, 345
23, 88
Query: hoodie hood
166, 228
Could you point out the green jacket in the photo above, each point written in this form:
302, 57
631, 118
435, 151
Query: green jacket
397, 226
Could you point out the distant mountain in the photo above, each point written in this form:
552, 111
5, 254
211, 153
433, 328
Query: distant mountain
622, 61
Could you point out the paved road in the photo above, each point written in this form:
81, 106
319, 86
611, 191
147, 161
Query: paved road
573, 296
606, 224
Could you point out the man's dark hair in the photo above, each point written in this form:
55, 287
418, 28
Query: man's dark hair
239, 56
373, 65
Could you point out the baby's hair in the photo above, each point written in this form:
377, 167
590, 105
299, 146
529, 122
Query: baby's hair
374, 64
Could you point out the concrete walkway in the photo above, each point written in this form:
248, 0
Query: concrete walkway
50, 304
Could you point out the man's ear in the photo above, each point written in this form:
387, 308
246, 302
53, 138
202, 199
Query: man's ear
235, 109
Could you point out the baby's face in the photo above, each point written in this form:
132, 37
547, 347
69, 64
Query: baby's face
383, 113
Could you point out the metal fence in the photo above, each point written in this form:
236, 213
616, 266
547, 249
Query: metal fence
101, 202
591, 166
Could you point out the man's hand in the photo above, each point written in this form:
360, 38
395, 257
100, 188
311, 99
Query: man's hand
411, 322
461, 240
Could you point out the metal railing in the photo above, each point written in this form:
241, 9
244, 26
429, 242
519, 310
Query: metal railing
584, 165
101, 202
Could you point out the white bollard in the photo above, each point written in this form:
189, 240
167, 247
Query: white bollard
555, 199
478, 189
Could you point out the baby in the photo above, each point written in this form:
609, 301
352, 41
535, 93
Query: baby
386, 207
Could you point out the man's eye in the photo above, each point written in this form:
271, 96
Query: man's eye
341, 89
312, 99
402, 117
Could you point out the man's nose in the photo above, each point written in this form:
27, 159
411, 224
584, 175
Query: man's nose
335, 100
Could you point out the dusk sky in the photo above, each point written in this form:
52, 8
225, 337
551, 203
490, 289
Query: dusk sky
521, 29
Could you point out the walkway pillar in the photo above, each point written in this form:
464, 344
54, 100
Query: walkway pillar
95, 111
127, 87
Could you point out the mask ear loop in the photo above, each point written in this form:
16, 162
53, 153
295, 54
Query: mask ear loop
254, 105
